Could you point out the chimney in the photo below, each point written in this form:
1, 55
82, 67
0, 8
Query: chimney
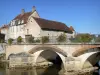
33, 9
23, 11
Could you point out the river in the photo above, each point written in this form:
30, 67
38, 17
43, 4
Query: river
47, 71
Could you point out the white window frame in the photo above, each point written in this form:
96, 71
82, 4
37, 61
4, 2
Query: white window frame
18, 22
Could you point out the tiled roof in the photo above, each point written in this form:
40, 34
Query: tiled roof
4, 27
24, 17
71, 28
52, 25
44, 24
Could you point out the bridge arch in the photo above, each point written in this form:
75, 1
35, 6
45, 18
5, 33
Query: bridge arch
38, 50
46, 47
89, 59
84, 50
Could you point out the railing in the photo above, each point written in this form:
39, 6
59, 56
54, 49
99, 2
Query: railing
53, 40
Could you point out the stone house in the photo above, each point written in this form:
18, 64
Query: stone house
30, 23
4, 30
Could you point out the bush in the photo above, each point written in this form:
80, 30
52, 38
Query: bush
2, 56
97, 39
31, 39
10, 40
83, 38
37, 41
1, 41
62, 38
45, 39
19, 39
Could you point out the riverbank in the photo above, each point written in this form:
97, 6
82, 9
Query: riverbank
87, 71
46, 65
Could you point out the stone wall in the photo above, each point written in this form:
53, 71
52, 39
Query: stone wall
20, 61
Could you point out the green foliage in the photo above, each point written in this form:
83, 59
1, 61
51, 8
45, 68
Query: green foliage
45, 39
10, 40
31, 39
85, 38
37, 41
2, 56
19, 39
62, 38
97, 39
1, 41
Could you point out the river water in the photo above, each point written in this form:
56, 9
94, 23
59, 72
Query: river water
47, 71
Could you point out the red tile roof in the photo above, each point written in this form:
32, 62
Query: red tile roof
44, 24
71, 28
24, 17
4, 27
52, 25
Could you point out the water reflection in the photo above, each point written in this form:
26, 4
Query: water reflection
21, 72
52, 70
97, 72
2, 72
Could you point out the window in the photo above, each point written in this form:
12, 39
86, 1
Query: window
17, 28
13, 28
27, 31
22, 21
20, 28
13, 22
18, 22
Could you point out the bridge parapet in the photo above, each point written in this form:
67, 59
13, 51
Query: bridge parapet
65, 49
95, 39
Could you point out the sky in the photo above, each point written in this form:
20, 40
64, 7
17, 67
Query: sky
83, 15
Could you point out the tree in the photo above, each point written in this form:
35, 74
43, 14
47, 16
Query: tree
45, 39
1, 41
19, 39
10, 40
97, 39
62, 38
85, 38
37, 40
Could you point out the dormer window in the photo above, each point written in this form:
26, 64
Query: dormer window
13, 22
22, 21
18, 22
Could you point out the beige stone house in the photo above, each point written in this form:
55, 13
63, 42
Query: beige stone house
4, 30
30, 23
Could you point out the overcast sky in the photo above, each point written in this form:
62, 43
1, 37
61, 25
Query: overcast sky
83, 15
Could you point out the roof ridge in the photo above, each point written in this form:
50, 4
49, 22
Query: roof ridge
22, 15
25, 13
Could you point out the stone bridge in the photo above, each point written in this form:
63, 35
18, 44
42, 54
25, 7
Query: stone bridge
84, 55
